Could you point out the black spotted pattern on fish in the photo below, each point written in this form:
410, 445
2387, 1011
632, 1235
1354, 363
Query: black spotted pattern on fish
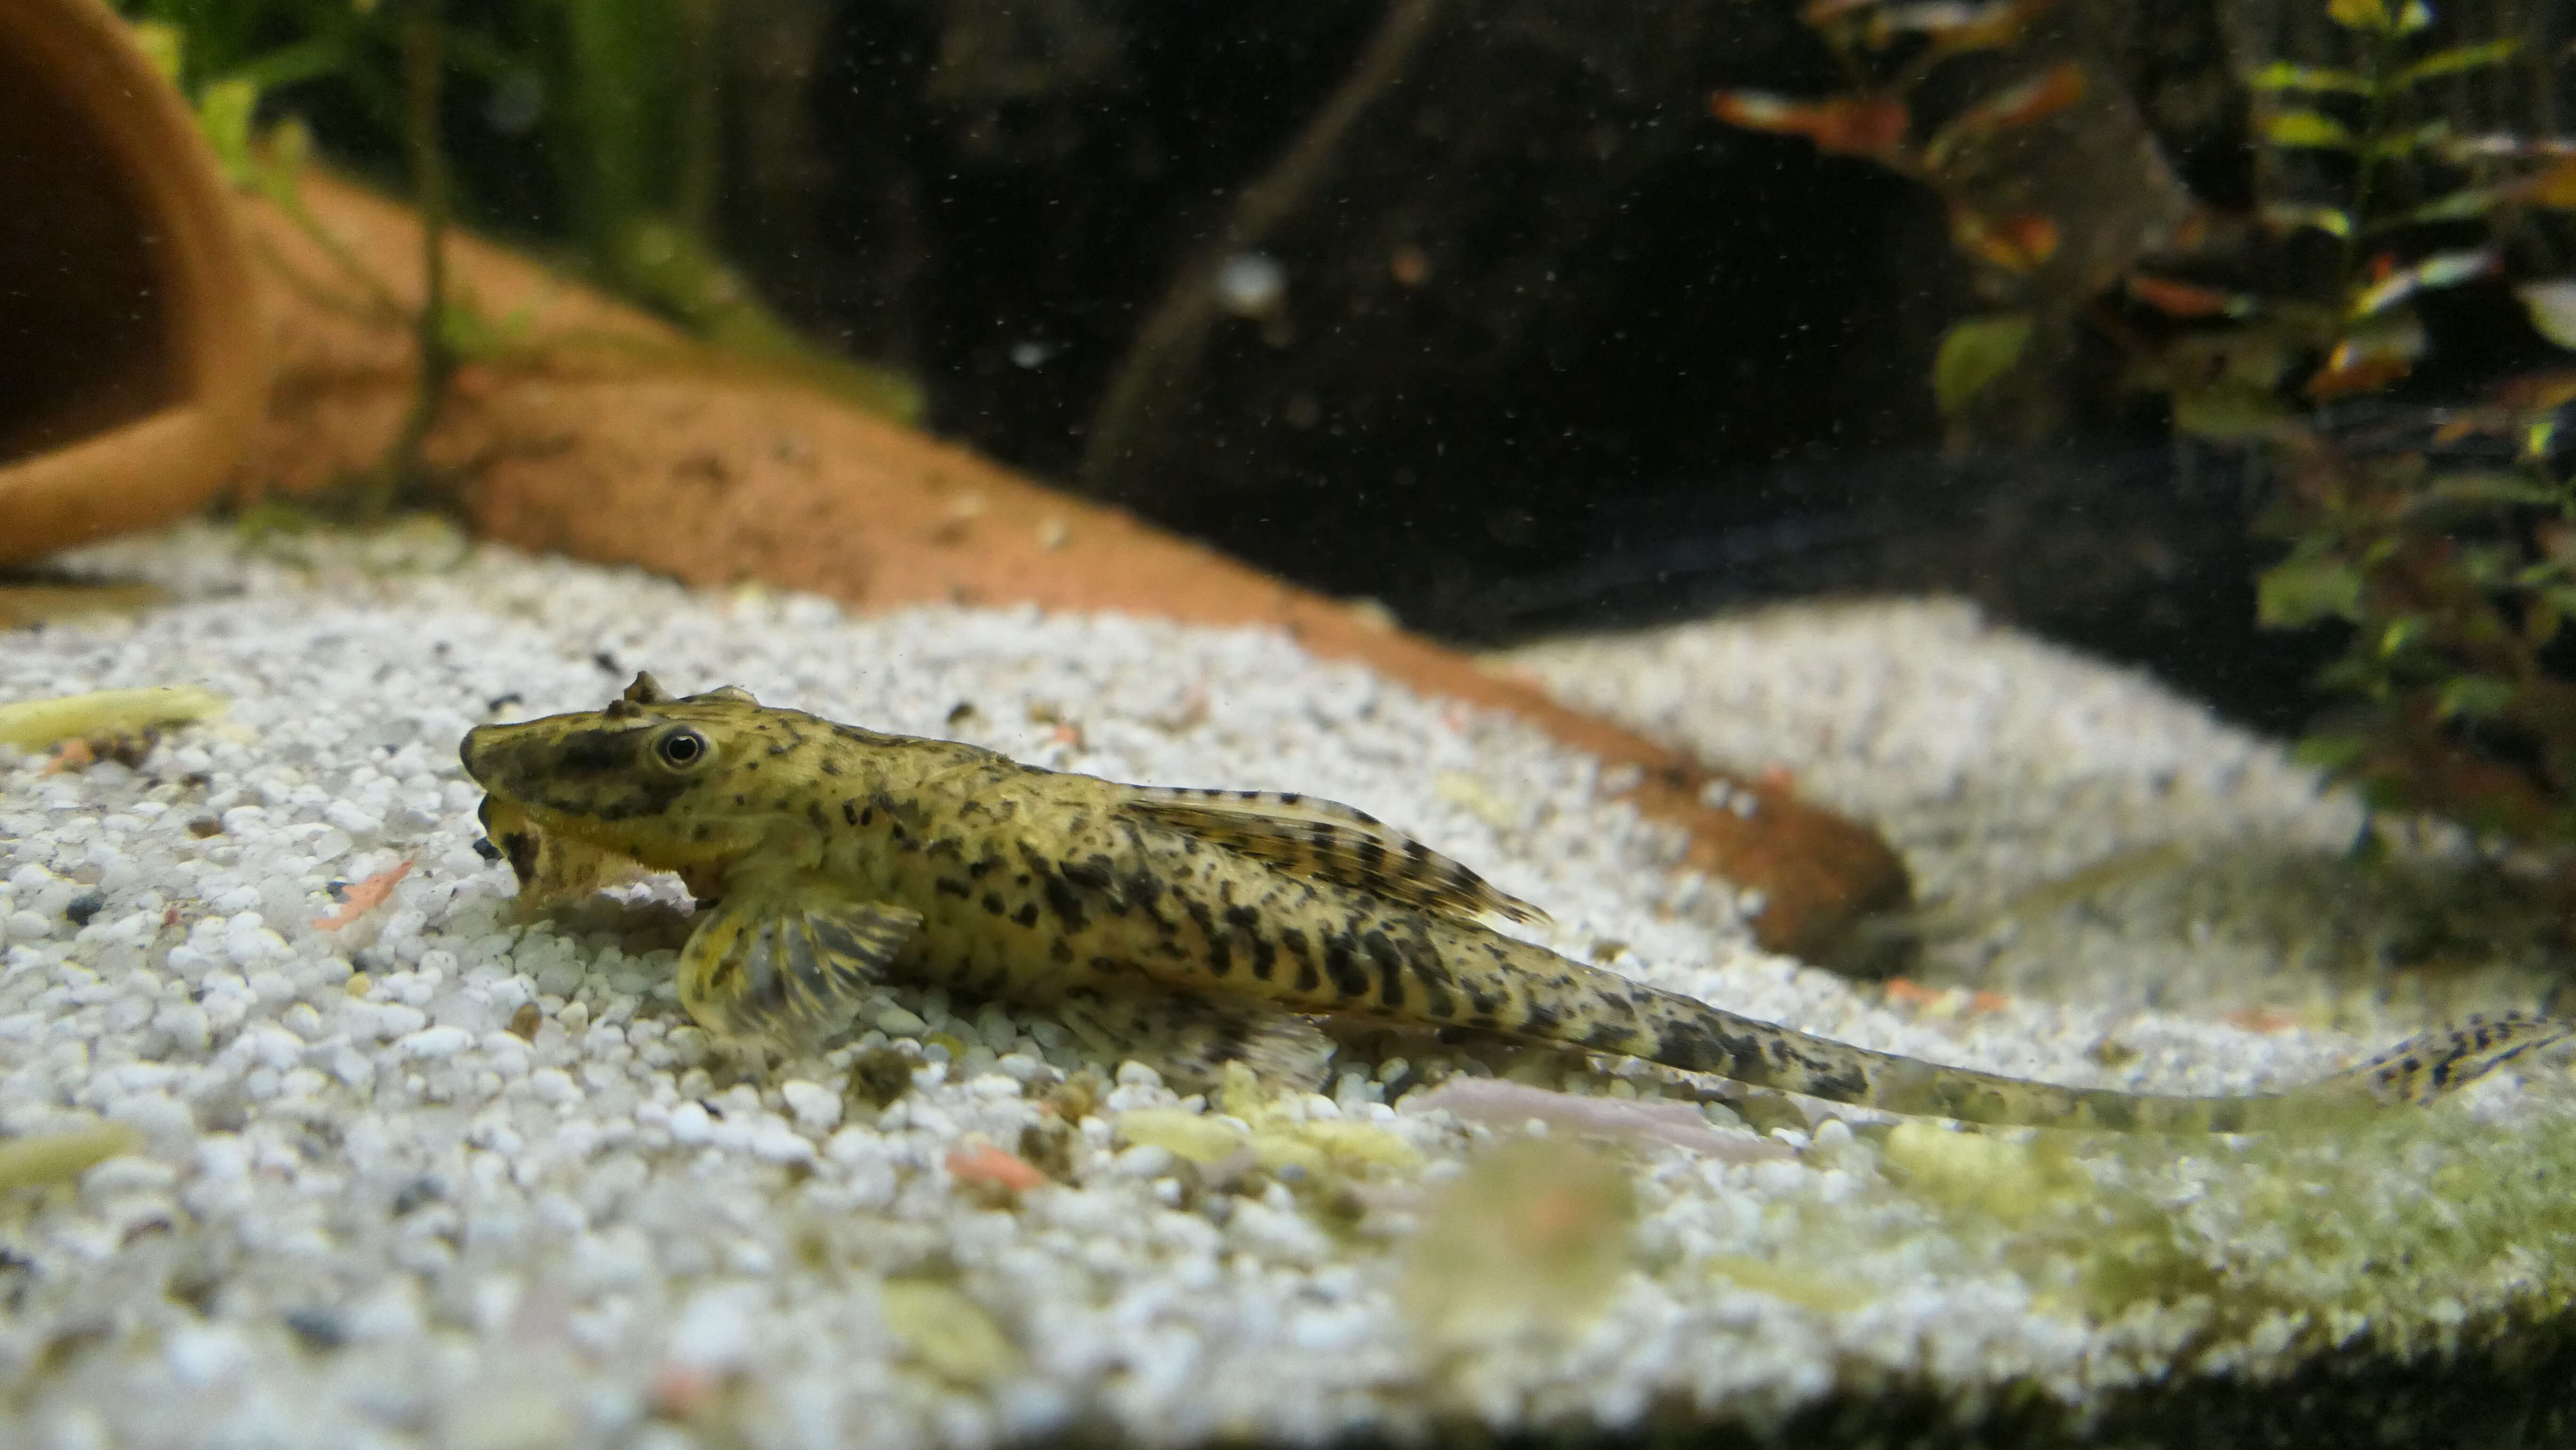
971, 870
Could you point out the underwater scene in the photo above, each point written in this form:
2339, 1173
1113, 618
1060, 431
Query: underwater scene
959, 724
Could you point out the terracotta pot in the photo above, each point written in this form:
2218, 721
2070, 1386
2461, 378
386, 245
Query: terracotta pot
130, 372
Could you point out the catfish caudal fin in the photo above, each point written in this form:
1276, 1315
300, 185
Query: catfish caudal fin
2430, 1064
1329, 841
1696, 1037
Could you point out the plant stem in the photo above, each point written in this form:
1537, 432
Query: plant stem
701, 151
2385, 49
403, 475
1128, 426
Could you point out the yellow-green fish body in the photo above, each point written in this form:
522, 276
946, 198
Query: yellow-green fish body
829, 857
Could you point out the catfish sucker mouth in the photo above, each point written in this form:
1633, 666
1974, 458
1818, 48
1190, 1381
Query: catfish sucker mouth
553, 868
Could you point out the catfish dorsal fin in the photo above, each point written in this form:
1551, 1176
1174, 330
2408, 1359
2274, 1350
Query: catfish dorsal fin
1330, 842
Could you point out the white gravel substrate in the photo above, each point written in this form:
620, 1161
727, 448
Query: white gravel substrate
367, 1213
2077, 829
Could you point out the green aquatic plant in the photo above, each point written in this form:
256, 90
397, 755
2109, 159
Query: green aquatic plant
617, 96
214, 53
2444, 545
618, 99
2443, 548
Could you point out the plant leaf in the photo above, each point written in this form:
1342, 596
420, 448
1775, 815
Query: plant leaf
2371, 356
2393, 144
2224, 413
224, 111
163, 44
2186, 299
2485, 565
2333, 753
2333, 221
302, 61
2359, 14
2299, 592
2045, 94
2538, 392
2306, 128
1853, 125
2018, 243
2360, 373
2552, 308
2541, 623
2464, 205
2554, 189
2476, 697
2356, 673
2449, 269
2442, 269
2493, 488
2282, 75
1998, 26
289, 148
2398, 333
1975, 352
2456, 59
2402, 631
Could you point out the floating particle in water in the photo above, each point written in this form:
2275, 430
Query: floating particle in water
1250, 284
517, 103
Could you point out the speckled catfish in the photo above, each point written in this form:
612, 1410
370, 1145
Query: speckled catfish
826, 857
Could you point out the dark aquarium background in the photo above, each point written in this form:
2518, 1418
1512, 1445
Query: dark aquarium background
1527, 316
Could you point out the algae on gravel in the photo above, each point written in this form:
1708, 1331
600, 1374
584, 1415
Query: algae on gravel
2413, 1232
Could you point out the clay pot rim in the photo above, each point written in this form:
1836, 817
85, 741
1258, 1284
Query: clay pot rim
171, 460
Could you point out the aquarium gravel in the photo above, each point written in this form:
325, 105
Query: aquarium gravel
310, 1140
2075, 829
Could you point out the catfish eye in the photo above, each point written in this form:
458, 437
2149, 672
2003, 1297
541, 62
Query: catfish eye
681, 748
